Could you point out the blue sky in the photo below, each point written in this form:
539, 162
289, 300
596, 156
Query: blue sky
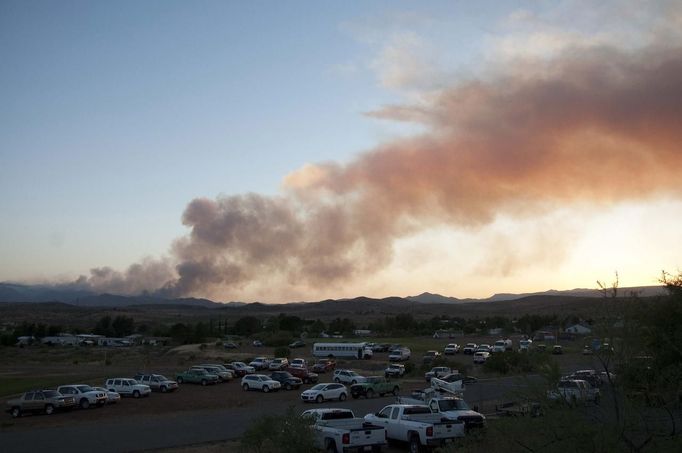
115, 115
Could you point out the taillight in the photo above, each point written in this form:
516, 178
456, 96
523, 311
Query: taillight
345, 439
429, 431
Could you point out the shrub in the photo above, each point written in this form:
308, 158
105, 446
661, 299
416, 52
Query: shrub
288, 433
282, 351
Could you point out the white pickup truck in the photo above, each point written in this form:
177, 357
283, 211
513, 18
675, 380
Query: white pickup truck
453, 407
415, 424
338, 430
575, 391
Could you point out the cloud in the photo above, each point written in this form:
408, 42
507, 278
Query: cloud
586, 122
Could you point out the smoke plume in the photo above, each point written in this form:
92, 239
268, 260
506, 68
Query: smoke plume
593, 125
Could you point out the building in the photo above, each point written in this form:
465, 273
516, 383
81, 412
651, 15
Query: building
579, 329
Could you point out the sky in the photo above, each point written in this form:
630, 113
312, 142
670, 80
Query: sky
286, 151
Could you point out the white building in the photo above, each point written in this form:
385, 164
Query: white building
579, 329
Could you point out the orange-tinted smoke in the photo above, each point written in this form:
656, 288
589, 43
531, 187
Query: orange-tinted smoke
593, 125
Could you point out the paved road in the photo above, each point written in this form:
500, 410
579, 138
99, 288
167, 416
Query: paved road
146, 432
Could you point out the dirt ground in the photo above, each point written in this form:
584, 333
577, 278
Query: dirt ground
49, 367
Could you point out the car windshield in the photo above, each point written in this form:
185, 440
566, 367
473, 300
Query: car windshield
50, 393
286, 375
160, 377
319, 387
453, 405
374, 380
239, 364
84, 388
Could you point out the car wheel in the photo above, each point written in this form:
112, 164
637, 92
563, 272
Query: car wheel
337, 380
16, 412
180, 380
164, 389
369, 393
136, 394
415, 446
49, 409
342, 397
319, 399
245, 387
287, 386
266, 389
396, 390
84, 403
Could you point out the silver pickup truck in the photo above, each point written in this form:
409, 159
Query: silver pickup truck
338, 430
415, 424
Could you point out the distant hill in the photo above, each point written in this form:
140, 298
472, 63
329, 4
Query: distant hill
12, 292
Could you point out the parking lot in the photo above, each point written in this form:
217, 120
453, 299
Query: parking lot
199, 415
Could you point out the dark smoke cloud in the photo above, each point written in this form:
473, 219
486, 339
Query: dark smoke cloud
593, 125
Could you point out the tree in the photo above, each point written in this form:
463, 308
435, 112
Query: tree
123, 326
247, 326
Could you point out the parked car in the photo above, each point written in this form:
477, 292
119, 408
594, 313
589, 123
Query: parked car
380, 347
260, 382
592, 376
302, 373
288, 380
574, 391
587, 350
224, 375
430, 356
298, 363
240, 368
278, 364
323, 392
374, 385
481, 356
524, 345
127, 387
157, 382
112, 397
484, 348
221, 371
348, 377
84, 395
416, 425
260, 363
448, 406
230, 345
257, 343
451, 349
398, 355
438, 371
324, 365
297, 344
469, 348
394, 370
502, 345
34, 401
338, 431
557, 349
197, 376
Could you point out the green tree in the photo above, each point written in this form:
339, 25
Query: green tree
247, 326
